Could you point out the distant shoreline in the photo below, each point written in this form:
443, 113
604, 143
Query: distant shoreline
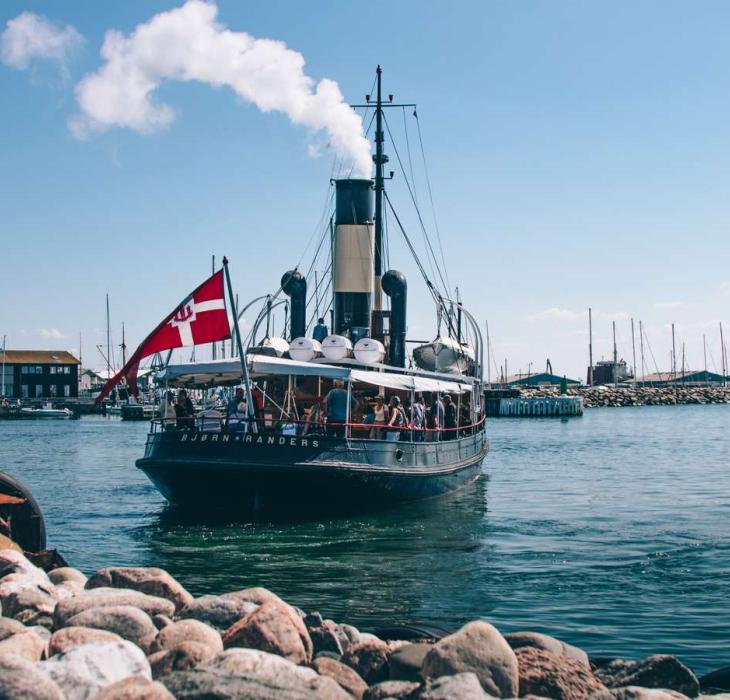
614, 397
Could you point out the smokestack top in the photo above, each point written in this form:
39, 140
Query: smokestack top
354, 201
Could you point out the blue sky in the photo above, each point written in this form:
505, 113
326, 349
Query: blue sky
579, 155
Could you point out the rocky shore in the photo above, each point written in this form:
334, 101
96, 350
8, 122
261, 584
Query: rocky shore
136, 633
639, 396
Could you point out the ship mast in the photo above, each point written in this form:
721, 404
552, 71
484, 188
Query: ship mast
380, 159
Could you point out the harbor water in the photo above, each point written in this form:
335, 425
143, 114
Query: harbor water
609, 531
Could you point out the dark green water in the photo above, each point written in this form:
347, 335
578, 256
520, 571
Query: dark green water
611, 532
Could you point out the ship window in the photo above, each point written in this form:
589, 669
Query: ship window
39, 390
52, 390
24, 391
67, 391
38, 369
53, 370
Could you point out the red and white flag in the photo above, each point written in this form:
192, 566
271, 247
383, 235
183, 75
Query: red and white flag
200, 318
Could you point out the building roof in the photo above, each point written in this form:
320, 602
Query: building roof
687, 375
38, 357
539, 376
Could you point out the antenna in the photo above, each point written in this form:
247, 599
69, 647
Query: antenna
674, 356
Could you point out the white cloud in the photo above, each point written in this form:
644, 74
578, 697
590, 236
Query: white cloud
50, 333
187, 43
725, 288
29, 37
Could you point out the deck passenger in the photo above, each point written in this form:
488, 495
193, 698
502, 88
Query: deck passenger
435, 418
418, 417
313, 422
184, 411
382, 415
397, 421
336, 405
449, 418
320, 331
167, 410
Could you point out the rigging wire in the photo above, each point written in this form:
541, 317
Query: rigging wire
408, 150
430, 196
418, 213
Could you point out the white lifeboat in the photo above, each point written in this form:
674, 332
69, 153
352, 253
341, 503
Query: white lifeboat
305, 349
445, 355
369, 351
336, 347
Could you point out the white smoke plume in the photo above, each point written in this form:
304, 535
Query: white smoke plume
28, 37
187, 43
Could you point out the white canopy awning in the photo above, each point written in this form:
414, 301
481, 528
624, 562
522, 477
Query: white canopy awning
217, 372
407, 382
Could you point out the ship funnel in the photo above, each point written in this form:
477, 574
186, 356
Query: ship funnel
295, 286
353, 255
396, 287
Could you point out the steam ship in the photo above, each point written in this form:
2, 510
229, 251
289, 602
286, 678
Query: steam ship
287, 457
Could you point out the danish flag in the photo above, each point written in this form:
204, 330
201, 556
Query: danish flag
199, 318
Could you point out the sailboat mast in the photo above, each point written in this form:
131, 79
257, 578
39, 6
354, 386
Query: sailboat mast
633, 349
380, 160
590, 346
108, 342
124, 348
641, 345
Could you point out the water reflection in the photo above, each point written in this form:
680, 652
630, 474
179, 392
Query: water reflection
397, 566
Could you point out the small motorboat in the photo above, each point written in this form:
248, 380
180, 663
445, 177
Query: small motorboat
47, 411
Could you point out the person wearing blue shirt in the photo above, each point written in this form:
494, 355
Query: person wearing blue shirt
336, 403
320, 331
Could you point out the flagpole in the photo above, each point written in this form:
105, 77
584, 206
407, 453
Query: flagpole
241, 354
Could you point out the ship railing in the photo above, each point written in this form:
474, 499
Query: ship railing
303, 428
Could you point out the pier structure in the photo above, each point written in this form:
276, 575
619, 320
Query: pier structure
536, 407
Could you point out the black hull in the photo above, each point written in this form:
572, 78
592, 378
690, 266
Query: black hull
275, 475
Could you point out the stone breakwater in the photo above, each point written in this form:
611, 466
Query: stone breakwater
136, 633
639, 396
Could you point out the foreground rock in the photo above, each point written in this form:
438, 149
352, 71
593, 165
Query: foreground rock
658, 671
549, 675
21, 681
182, 657
518, 640
462, 686
346, 677
370, 659
134, 688
84, 670
405, 663
218, 611
632, 692
129, 623
188, 631
110, 597
480, 649
26, 644
274, 627
71, 637
252, 675
393, 690
149, 580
